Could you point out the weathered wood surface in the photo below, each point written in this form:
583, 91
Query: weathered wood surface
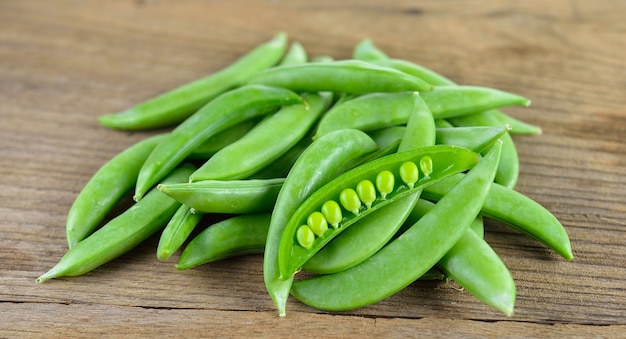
63, 63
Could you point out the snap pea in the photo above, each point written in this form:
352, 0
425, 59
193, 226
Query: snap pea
280, 167
238, 235
508, 170
177, 231
226, 196
105, 189
354, 245
176, 105
296, 54
318, 164
516, 210
389, 271
392, 184
365, 113
223, 112
263, 145
343, 76
122, 233
473, 264
517, 126
222, 139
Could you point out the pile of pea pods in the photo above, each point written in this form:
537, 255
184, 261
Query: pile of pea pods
367, 174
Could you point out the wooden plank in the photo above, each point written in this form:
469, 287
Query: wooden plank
65, 62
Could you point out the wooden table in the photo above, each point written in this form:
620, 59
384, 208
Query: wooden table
63, 63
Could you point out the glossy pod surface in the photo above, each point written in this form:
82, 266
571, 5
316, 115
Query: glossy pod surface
225, 111
226, 196
318, 164
409, 256
345, 76
122, 233
176, 105
400, 169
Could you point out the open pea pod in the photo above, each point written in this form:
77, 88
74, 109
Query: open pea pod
308, 229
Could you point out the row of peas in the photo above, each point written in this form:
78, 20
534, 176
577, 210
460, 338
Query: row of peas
369, 173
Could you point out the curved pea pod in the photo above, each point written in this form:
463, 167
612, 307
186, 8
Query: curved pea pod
226, 196
223, 112
517, 126
280, 168
477, 138
105, 189
238, 235
221, 140
296, 54
364, 238
317, 165
121, 233
395, 175
473, 264
425, 243
176, 105
176, 231
515, 210
264, 144
344, 76
508, 169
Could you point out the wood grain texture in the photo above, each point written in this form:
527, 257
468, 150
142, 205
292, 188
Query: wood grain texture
65, 62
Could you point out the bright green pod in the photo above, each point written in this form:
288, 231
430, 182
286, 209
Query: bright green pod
238, 235
447, 160
318, 163
516, 126
332, 212
477, 138
177, 231
176, 105
349, 199
295, 55
317, 222
105, 189
122, 233
516, 210
385, 183
224, 112
425, 243
263, 145
343, 76
473, 264
409, 173
221, 140
244, 196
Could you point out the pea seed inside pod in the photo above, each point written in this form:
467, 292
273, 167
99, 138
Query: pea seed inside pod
317, 223
349, 199
366, 192
332, 213
426, 165
409, 173
305, 236
385, 182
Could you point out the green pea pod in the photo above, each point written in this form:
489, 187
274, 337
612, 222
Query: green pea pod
517, 126
226, 196
295, 55
225, 111
122, 233
176, 105
263, 145
425, 243
508, 170
477, 138
473, 264
378, 110
222, 139
105, 189
280, 167
176, 231
515, 210
238, 235
344, 76
444, 161
317, 165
